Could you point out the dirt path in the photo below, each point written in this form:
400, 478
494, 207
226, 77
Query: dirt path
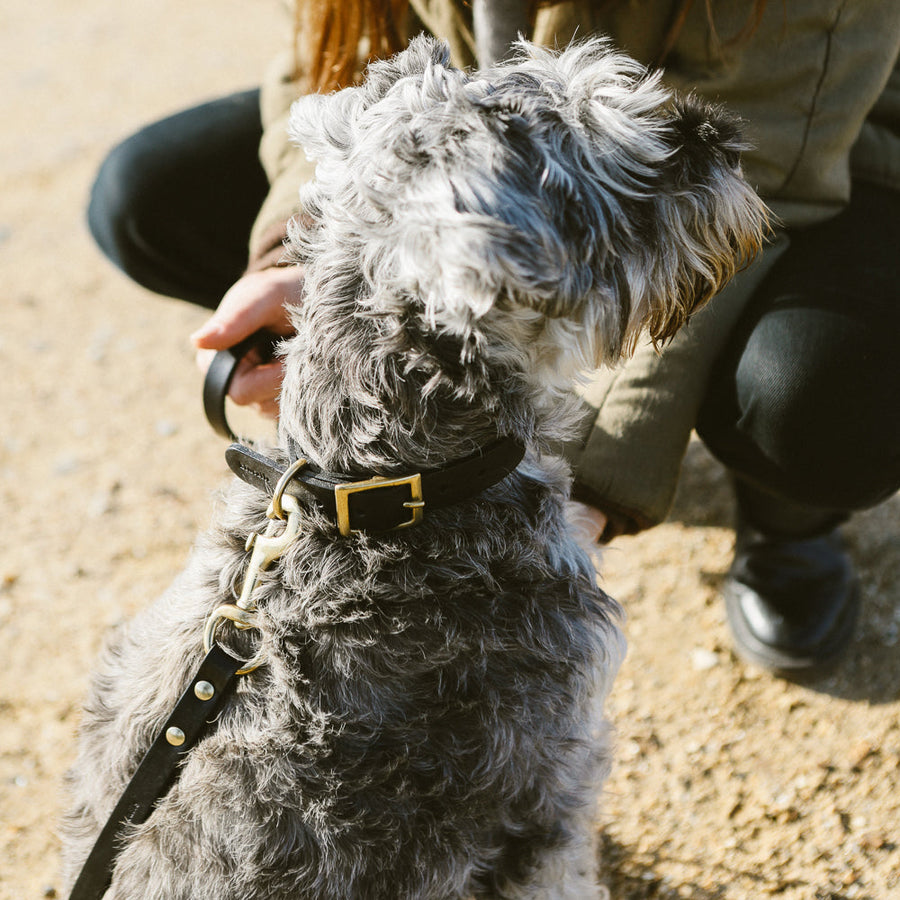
729, 784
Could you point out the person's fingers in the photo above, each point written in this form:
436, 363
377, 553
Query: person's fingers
254, 302
204, 359
588, 521
257, 385
254, 383
269, 409
235, 320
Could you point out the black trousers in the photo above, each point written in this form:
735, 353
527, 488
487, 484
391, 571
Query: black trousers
803, 407
804, 403
172, 206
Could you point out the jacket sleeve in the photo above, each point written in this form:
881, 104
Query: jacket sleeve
285, 165
639, 416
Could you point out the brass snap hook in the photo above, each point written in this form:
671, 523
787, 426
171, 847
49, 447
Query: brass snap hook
243, 619
267, 548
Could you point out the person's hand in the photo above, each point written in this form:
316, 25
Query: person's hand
588, 522
256, 301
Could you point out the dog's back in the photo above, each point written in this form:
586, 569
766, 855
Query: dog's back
429, 722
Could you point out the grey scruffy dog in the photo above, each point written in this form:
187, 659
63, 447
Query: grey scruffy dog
429, 722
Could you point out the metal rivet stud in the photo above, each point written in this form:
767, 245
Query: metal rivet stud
203, 690
175, 736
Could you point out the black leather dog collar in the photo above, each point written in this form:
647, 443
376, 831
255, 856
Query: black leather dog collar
382, 503
374, 504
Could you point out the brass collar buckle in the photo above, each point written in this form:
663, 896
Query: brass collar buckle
415, 504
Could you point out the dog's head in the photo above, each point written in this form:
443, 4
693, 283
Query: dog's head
537, 216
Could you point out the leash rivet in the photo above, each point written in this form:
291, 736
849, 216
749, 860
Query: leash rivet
175, 736
203, 690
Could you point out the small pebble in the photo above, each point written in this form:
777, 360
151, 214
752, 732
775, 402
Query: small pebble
66, 465
702, 660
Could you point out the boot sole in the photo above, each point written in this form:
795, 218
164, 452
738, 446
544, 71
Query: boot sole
808, 663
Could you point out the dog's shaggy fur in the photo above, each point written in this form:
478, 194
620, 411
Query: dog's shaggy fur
429, 723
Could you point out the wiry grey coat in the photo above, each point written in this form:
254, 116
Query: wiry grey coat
429, 721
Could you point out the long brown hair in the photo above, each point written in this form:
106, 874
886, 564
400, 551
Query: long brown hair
331, 36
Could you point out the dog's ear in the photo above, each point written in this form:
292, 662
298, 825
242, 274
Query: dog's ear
423, 54
661, 187
574, 187
710, 221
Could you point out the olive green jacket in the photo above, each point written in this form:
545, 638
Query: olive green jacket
818, 92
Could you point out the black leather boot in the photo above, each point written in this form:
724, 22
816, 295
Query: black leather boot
792, 596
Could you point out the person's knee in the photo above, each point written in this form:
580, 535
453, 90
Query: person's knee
814, 399
121, 203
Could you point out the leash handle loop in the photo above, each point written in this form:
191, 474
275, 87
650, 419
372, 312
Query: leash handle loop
220, 373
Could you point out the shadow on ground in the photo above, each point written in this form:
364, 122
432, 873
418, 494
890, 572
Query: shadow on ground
631, 876
871, 669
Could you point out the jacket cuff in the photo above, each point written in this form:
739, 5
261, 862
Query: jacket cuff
618, 521
269, 248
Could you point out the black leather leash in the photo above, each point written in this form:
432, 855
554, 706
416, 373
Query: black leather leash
194, 713
201, 701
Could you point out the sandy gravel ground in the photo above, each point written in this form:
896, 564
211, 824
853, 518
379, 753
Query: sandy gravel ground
729, 783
